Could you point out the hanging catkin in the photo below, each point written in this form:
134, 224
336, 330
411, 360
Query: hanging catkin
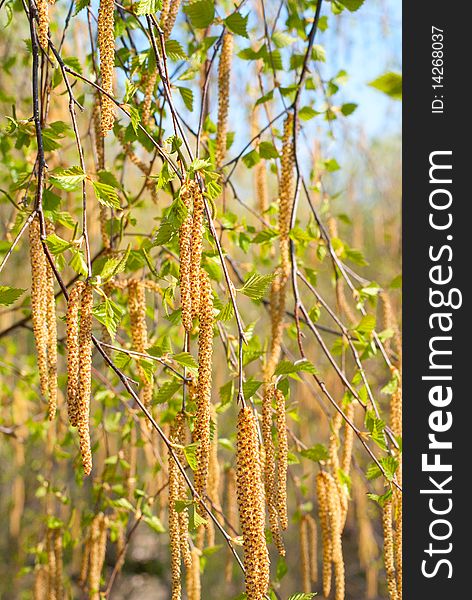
170, 10
51, 565
85, 561
313, 546
398, 539
173, 515
389, 560
214, 466
106, 45
224, 76
72, 347
40, 587
335, 516
277, 309
185, 242
201, 432
39, 303
323, 512
260, 170
282, 458
149, 85
346, 457
286, 195
251, 506
85, 377
197, 246
270, 468
304, 555
98, 545
194, 585
43, 23
336, 423
139, 334
51, 333
389, 321
59, 584
341, 300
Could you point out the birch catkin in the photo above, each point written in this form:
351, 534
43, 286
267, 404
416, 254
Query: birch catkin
335, 518
170, 10
51, 586
201, 431
173, 516
51, 334
389, 560
304, 555
224, 75
106, 45
323, 511
98, 544
139, 334
43, 23
270, 468
251, 506
40, 587
59, 584
72, 347
313, 546
282, 459
196, 246
85, 378
194, 586
286, 194
38, 303
185, 244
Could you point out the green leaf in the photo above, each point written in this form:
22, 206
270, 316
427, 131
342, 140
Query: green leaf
389, 83
174, 50
194, 519
80, 5
77, 262
251, 158
268, 150
106, 194
285, 367
186, 360
306, 113
8, 295
187, 97
166, 391
237, 24
200, 13
190, 452
115, 265
373, 472
282, 39
67, 179
109, 314
366, 324
56, 244
351, 5
257, 286
154, 523
348, 108
148, 7
316, 453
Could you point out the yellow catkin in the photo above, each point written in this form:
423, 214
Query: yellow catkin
201, 431
346, 455
170, 10
313, 546
173, 518
106, 45
98, 544
398, 540
181, 431
194, 585
335, 516
72, 347
372, 582
286, 195
304, 555
51, 586
224, 76
368, 551
38, 303
185, 245
282, 458
85, 378
389, 321
231, 517
85, 562
389, 559
197, 246
43, 23
270, 468
51, 333
139, 334
149, 85
336, 423
40, 586
59, 583
323, 512
260, 171
251, 506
